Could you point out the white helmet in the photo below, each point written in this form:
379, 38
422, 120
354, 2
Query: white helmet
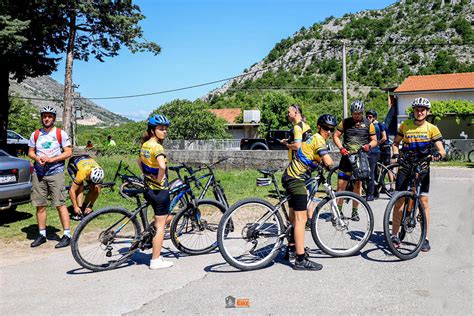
357, 106
97, 175
421, 102
48, 109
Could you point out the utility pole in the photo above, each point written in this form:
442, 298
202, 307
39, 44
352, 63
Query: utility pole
73, 115
344, 79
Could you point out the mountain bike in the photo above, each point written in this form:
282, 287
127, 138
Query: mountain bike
107, 238
212, 183
252, 232
452, 152
404, 215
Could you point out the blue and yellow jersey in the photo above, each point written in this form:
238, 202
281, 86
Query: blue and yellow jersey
149, 153
301, 132
416, 139
307, 157
80, 167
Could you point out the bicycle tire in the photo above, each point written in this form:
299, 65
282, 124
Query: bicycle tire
236, 224
470, 156
188, 224
457, 155
386, 184
323, 220
406, 229
81, 240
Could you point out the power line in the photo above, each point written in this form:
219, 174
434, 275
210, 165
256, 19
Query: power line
306, 56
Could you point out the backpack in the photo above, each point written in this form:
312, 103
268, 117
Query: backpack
360, 165
58, 137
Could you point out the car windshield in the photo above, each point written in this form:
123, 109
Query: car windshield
2, 153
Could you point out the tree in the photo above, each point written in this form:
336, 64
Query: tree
100, 29
192, 120
28, 34
273, 111
23, 117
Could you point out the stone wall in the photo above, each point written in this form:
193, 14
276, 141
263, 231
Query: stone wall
236, 159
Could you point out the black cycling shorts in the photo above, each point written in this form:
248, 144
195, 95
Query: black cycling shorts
402, 182
345, 168
296, 189
159, 200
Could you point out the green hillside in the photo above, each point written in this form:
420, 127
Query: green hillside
383, 47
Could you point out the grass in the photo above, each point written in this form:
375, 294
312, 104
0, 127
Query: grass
21, 224
453, 163
238, 184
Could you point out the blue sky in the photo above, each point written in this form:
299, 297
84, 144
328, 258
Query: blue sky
201, 41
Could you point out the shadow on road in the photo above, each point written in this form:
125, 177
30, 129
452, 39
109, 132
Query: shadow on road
379, 252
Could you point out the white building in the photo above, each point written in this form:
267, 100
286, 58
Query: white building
458, 86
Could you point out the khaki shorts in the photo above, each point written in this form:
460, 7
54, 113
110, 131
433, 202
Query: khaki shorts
48, 185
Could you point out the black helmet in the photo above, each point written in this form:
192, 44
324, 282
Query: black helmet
327, 119
371, 112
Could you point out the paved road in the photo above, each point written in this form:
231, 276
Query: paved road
440, 282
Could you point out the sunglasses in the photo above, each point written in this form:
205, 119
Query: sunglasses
327, 128
369, 116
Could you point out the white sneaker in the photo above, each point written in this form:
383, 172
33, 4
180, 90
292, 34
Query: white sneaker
160, 263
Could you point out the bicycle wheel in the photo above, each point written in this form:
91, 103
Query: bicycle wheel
105, 239
250, 234
457, 155
342, 235
332, 176
388, 179
194, 230
470, 156
412, 225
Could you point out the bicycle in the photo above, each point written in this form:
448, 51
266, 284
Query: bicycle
126, 232
412, 223
256, 234
212, 182
452, 152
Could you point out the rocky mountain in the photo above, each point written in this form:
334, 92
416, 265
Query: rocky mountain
46, 87
383, 47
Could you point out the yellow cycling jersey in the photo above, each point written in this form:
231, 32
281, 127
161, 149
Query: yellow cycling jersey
416, 139
80, 167
149, 153
300, 132
307, 157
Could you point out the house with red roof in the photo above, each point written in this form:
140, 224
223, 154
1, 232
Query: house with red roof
247, 129
443, 87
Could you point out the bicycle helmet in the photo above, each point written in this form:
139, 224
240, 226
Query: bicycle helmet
371, 112
263, 182
421, 102
327, 119
158, 119
97, 175
48, 109
357, 106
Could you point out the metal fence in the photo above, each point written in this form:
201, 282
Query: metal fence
209, 144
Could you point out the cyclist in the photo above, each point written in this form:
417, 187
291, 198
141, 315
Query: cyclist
417, 135
49, 147
358, 133
312, 152
374, 153
84, 169
300, 131
153, 163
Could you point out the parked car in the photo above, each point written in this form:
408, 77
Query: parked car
270, 142
16, 144
15, 181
